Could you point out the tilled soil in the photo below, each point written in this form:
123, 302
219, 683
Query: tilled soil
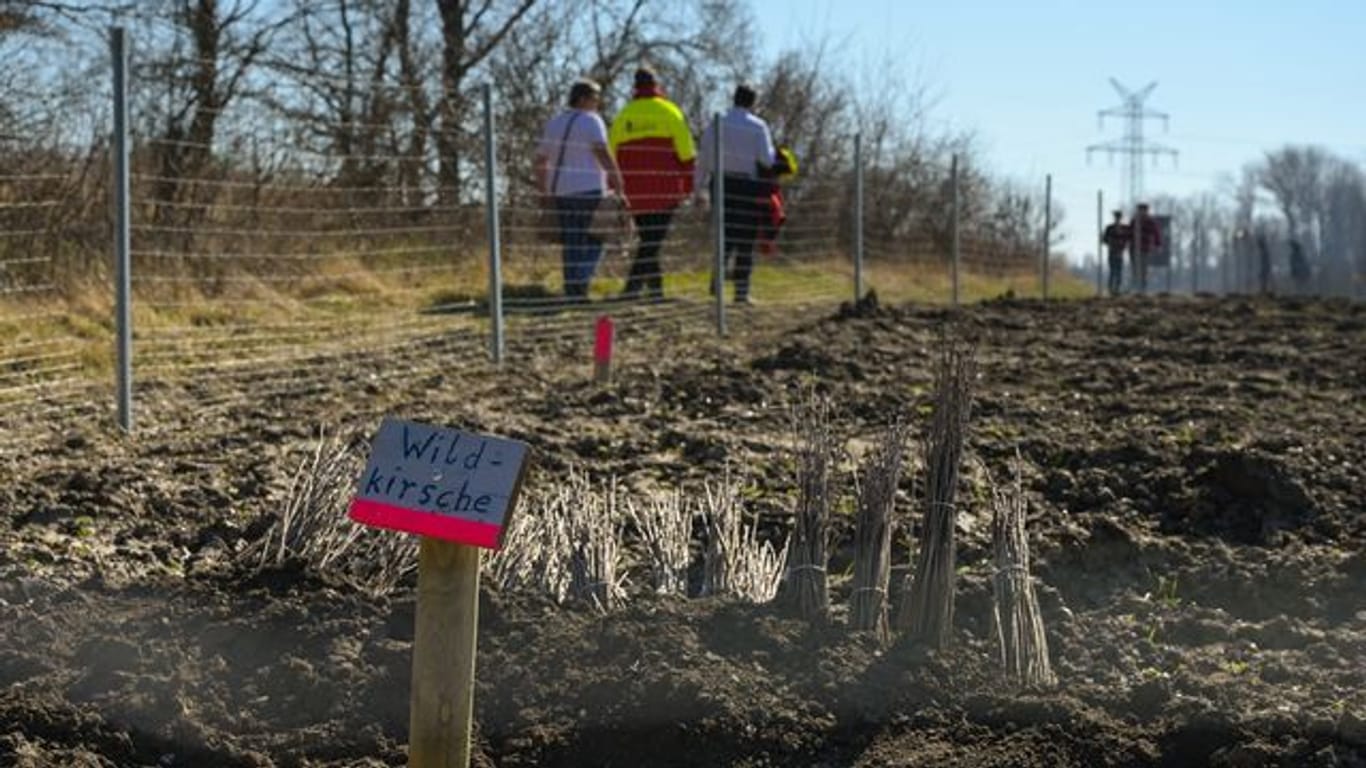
1195, 470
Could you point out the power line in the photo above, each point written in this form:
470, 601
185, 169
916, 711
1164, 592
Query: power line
1132, 144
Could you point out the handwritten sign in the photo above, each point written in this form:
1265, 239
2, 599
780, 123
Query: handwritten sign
439, 482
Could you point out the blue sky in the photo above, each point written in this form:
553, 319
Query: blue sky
1028, 78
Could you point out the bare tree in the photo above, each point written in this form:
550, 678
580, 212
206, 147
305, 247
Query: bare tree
203, 69
340, 58
470, 33
1344, 227
1294, 176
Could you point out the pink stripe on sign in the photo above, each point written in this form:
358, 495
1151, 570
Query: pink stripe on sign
436, 526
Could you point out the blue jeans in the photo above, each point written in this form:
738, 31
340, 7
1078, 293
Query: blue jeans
581, 250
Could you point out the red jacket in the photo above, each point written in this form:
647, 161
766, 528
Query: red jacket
1149, 235
654, 147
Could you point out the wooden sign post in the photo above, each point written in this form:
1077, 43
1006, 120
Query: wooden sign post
458, 491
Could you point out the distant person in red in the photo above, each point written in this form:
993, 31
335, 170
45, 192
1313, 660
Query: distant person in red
1116, 238
1146, 242
654, 147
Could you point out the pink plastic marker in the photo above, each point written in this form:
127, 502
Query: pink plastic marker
602, 349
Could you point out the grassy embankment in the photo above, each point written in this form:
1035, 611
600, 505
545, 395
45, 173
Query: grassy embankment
329, 299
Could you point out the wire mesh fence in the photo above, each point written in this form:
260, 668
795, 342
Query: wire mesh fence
266, 255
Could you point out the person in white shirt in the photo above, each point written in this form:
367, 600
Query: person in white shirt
747, 159
573, 168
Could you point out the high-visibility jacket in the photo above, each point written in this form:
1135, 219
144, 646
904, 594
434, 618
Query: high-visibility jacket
786, 167
654, 148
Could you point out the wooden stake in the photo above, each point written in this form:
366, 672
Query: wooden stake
442, 707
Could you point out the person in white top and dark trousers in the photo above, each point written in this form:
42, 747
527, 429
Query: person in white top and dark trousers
747, 159
573, 167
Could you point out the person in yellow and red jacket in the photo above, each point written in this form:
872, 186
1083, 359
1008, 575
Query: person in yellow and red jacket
784, 170
654, 148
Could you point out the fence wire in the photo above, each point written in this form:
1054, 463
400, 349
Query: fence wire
44, 355
269, 263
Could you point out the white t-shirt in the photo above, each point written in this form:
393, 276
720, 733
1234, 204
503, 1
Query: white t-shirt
579, 171
745, 145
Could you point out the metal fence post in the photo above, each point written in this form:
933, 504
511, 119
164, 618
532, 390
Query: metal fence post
718, 215
858, 217
1100, 242
1047, 228
1197, 256
496, 340
955, 245
123, 272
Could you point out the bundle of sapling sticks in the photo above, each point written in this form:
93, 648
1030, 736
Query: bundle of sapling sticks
880, 476
736, 561
1019, 625
597, 557
817, 451
926, 611
313, 526
664, 521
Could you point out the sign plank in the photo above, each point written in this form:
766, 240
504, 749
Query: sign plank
440, 482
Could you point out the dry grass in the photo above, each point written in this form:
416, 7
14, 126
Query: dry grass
325, 301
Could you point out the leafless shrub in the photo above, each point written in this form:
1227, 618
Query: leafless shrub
1019, 625
873, 555
664, 521
926, 612
816, 453
313, 526
735, 561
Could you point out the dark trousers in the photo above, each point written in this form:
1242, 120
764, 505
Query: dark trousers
1116, 273
646, 273
744, 214
581, 250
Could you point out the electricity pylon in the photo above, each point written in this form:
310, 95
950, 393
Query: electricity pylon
1132, 145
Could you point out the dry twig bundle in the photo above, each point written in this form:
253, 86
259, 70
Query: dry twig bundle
1019, 625
566, 543
665, 525
314, 528
735, 561
926, 612
534, 554
807, 587
596, 560
873, 555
